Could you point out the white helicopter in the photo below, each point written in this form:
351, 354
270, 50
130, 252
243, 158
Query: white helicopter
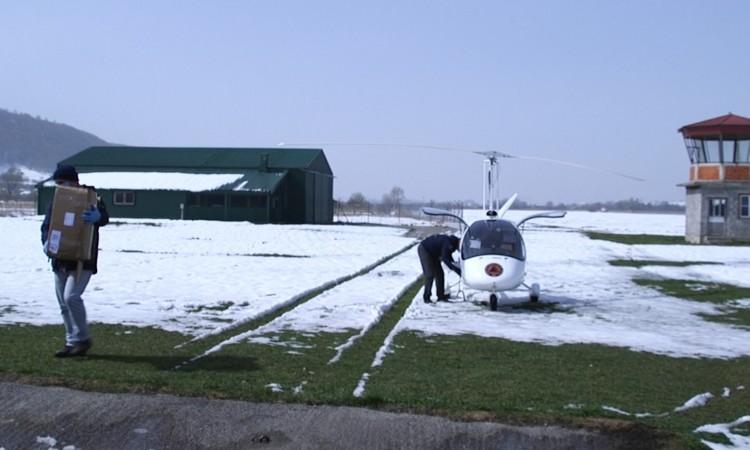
492, 254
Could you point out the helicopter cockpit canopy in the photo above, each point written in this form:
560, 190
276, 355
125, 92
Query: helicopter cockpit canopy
493, 237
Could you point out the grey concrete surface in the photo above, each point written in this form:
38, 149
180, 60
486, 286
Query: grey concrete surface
30, 415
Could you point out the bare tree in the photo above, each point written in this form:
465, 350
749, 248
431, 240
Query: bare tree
357, 202
393, 200
11, 183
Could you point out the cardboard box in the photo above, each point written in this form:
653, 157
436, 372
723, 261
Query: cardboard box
69, 237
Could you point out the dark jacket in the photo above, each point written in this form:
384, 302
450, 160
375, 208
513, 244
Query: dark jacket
58, 264
441, 247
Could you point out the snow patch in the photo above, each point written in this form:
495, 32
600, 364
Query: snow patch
738, 441
359, 391
298, 389
46, 440
695, 402
615, 410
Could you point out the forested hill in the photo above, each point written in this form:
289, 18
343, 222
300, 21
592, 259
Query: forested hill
38, 143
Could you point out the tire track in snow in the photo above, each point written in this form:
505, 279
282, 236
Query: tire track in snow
359, 304
384, 349
296, 300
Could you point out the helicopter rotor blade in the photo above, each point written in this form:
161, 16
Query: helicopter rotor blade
380, 144
492, 155
580, 166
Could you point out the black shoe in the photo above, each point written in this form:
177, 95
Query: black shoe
64, 352
443, 298
80, 348
427, 300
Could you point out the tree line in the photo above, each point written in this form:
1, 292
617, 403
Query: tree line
395, 203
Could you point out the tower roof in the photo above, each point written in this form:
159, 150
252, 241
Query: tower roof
727, 126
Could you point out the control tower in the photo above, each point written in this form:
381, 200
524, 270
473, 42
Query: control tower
718, 194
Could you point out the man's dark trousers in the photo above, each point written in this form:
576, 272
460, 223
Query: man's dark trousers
432, 271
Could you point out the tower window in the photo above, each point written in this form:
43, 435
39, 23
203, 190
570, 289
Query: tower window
728, 151
743, 151
745, 206
717, 209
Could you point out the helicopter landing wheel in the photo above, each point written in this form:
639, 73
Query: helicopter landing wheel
534, 293
493, 302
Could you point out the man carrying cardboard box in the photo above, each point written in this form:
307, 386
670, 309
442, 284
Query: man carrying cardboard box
70, 236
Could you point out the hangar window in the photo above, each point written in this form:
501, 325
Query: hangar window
124, 198
745, 206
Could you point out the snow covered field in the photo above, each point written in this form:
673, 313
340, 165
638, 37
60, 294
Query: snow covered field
600, 302
201, 277
193, 276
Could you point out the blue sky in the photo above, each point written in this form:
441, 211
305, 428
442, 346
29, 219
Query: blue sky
601, 83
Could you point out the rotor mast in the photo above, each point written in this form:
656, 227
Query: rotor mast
491, 182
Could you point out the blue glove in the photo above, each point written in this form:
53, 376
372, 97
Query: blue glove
92, 215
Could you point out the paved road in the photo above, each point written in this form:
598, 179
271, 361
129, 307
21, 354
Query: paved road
32, 416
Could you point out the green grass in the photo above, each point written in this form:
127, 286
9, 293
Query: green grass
739, 317
652, 239
514, 380
717, 293
697, 290
647, 262
464, 377
630, 239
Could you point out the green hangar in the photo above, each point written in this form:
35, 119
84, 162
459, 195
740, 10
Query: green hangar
259, 185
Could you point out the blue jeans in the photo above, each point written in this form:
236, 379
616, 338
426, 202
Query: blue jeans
69, 291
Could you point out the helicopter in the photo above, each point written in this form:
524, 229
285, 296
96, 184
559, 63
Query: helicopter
492, 252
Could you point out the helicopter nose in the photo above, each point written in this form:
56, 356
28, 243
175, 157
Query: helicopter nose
493, 269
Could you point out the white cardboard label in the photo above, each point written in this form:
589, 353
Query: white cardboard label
54, 241
70, 219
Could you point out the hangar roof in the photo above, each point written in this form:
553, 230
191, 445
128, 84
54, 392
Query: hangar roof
198, 159
252, 181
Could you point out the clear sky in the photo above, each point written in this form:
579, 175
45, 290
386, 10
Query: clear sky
602, 83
